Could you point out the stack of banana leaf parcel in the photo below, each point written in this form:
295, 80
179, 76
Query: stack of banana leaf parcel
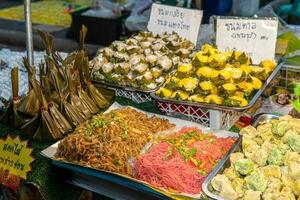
61, 98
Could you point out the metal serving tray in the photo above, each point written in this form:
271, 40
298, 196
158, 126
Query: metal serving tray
225, 162
222, 107
111, 86
80, 174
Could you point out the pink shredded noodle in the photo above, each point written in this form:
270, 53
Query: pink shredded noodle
176, 173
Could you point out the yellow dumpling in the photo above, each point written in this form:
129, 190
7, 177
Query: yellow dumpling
201, 58
164, 92
246, 68
207, 72
180, 94
206, 85
213, 98
225, 74
214, 74
268, 64
246, 87
185, 68
240, 94
208, 49
236, 73
241, 100
204, 71
257, 84
197, 98
229, 87
188, 84
220, 58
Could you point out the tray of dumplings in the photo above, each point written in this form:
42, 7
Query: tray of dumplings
265, 165
218, 80
142, 62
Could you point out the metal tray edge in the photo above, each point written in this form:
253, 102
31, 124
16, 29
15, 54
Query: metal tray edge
217, 169
262, 117
128, 88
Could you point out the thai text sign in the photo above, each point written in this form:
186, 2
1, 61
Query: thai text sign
185, 22
256, 37
15, 160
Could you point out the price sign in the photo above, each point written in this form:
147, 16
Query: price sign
256, 37
185, 22
15, 160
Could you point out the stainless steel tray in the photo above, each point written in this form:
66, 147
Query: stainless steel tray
126, 88
222, 107
263, 118
134, 184
224, 163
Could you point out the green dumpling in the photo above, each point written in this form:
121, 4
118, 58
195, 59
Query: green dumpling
294, 142
256, 181
279, 129
244, 166
275, 157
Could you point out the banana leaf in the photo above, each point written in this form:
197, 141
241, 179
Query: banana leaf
72, 113
47, 40
30, 69
31, 126
74, 99
60, 121
47, 130
82, 36
29, 105
95, 94
85, 98
18, 120
5, 115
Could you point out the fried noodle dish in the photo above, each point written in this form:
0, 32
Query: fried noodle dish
109, 141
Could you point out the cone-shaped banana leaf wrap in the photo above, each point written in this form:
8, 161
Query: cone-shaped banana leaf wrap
48, 130
74, 99
85, 98
61, 122
82, 36
18, 119
72, 113
29, 105
47, 40
95, 94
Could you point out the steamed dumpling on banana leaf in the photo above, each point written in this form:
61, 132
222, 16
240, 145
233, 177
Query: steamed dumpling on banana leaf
127, 63
216, 77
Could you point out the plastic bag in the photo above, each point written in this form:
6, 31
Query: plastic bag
138, 22
245, 8
103, 13
104, 9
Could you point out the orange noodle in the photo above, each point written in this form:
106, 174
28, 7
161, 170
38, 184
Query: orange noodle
180, 162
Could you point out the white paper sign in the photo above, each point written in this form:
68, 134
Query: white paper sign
185, 22
256, 37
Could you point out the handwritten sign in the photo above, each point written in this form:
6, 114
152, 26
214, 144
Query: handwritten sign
185, 22
15, 160
256, 37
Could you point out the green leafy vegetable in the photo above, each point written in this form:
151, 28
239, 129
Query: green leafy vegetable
192, 152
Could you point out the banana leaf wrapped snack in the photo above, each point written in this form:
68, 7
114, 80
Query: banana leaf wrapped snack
215, 77
60, 99
142, 61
